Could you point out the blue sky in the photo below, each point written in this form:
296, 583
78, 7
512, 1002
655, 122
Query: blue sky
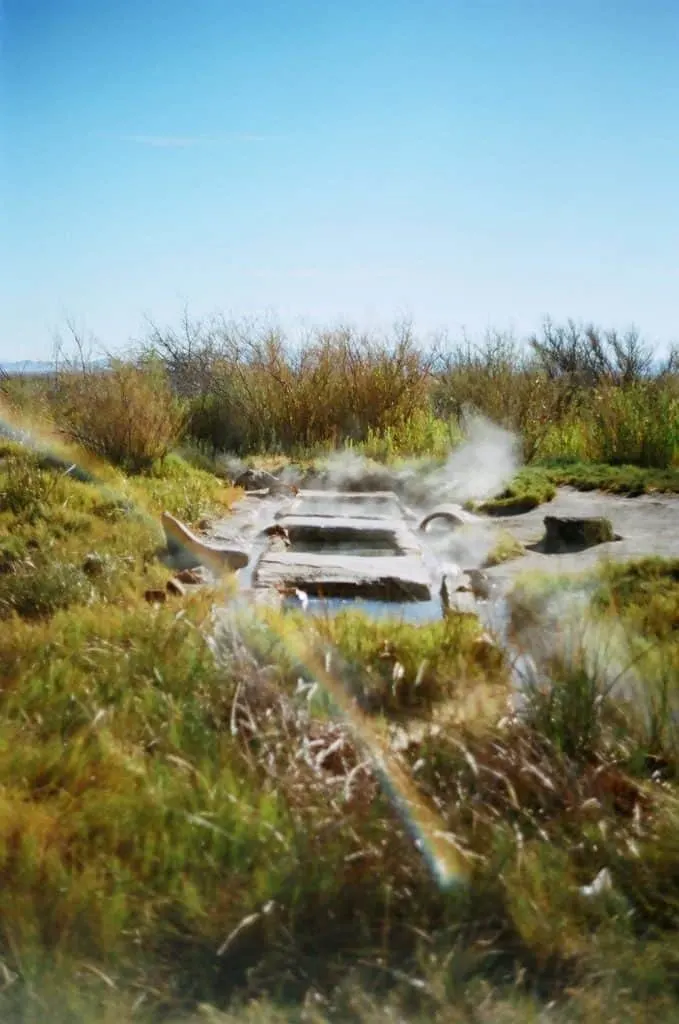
466, 164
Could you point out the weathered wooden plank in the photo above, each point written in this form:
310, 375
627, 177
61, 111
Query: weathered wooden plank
404, 578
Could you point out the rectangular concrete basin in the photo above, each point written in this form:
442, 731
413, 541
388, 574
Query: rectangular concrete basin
356, 505
367, 537
346, 545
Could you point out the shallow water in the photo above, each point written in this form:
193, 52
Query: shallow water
418, 612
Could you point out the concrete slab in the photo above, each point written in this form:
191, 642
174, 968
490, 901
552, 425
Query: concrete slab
349, 534
396, 578
357, 505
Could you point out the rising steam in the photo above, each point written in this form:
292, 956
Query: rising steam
478, 468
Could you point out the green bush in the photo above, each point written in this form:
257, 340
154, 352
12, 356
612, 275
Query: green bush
128, 414
253, 392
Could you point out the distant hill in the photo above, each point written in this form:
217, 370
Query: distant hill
32, 366
27, 366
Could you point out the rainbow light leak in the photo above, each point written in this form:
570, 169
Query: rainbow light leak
448, 864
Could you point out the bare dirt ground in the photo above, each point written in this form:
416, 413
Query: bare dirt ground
648, 525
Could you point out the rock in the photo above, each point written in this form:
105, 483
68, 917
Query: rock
480, 583
192, 577
255, 480
461, 603
457, 594
573, 533
93, 564
185, 546
261, 480
155, 596
175, 587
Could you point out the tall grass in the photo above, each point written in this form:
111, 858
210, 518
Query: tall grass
252, 391
574, 392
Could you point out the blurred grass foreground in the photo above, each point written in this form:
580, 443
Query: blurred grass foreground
189, 829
